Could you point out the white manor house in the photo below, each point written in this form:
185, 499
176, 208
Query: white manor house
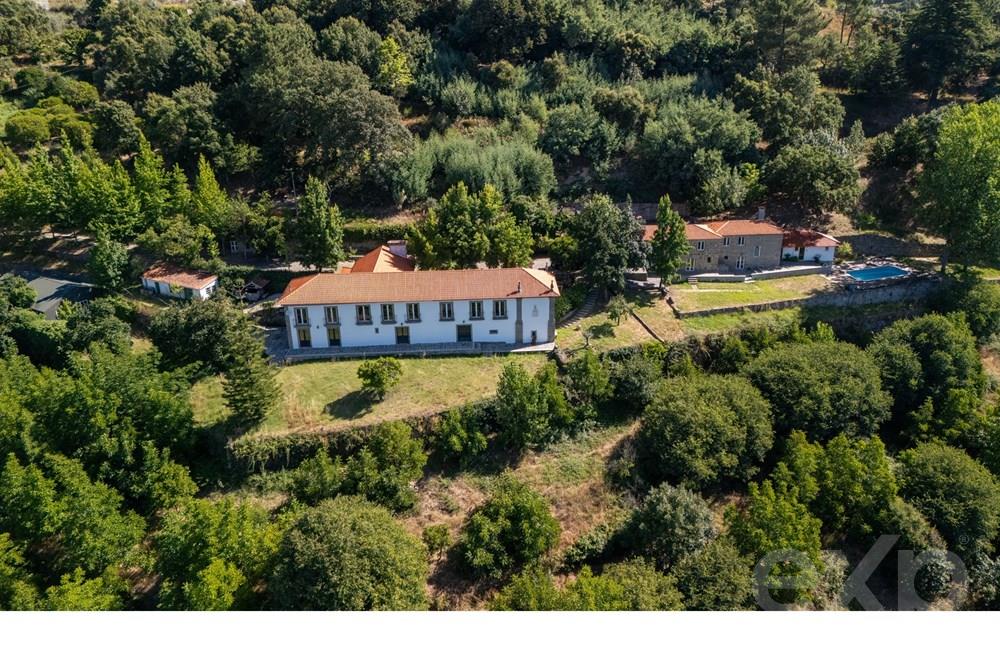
512, 307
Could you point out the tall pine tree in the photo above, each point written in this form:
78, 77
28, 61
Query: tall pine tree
248, 383
945, 44
670, 245
787, 32
320, 227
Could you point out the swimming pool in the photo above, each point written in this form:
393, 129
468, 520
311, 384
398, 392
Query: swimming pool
877, 273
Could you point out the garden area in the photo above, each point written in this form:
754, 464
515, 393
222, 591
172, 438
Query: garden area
328, 393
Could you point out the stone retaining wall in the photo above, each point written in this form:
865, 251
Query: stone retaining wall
910, 290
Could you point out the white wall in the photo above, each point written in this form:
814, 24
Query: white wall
163, 289
430, 329
812, 254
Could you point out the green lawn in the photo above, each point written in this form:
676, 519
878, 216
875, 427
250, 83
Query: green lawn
328, 393
720, 295
603, 332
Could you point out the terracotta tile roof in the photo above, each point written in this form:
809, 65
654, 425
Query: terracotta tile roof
808, 238
742, 227
411, 286
694, 232
172, 275
382, 259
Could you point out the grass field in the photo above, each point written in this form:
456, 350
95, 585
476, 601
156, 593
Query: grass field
706, 324
603, 332
328, 393
721, 295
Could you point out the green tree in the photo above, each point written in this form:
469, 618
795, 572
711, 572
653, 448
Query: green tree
617, 309
387, 465
394, 76
788, 105
347, 554
815, 176
108, 262
610, 239
774, 519
848, 483
787, 32
214, 554
926, 364
209, 204
249, 382
116, 128
946, 44
959, 496
959, 188
670, 524
529, 410
704, 431
378, 376
821, 388
715, 578
319, 228
25, 129
670, 245
512, 528
458, 435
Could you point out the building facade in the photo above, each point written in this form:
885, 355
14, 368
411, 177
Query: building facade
175, 283
807, 245
730, 246
503, 306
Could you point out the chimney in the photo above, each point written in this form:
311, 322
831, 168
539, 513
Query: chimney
761, 213
397, 247
518, 286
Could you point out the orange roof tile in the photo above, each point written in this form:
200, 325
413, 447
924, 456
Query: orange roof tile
382, 259
172, 275
742, 227
411, 286
808, 238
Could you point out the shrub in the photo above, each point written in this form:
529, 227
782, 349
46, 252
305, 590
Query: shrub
703, 431
437, 539
634, 380
458, 435
347, 554
629, 586
513, 528
715, 578
379, 375
956, 493
670, 524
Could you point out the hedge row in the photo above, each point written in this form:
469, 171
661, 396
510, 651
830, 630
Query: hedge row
376, 232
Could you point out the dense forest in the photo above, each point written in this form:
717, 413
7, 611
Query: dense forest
490, 132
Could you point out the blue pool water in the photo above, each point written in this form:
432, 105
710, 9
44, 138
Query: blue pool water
877, 273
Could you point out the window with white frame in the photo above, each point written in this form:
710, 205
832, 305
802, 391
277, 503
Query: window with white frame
741, 240
413, 312
332, 316
301, 317
756, 251
447, 311
499, 310
364, 313
726, 240
740, 262
234, 247
475, 310
700, 245
690, 263
388, 312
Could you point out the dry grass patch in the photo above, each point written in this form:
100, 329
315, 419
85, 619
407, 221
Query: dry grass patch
603, 333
